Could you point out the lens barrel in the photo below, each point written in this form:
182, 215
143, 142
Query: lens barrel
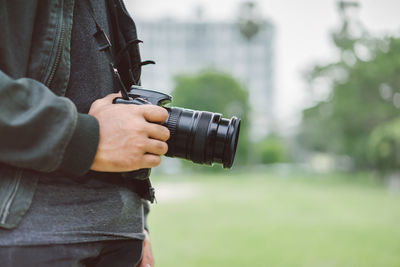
202, 137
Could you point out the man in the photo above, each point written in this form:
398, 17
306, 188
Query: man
63, 144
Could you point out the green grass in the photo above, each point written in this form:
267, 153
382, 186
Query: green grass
258, 220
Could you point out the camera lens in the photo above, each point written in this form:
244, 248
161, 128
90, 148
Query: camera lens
202, 137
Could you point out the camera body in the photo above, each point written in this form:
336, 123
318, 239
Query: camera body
140, 96
199, 136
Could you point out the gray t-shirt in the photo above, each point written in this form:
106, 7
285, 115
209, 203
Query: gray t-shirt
97, 206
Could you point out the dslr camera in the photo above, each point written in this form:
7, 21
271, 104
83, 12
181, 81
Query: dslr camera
199, 136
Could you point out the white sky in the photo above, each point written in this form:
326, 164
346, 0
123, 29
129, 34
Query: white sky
303, 29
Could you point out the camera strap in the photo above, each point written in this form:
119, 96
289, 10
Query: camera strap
104, 45
139, 179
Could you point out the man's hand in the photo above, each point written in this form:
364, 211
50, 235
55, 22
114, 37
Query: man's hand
147, 253
131, 136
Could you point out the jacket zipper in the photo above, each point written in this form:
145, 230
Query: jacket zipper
57, 59
10, 198
5, 210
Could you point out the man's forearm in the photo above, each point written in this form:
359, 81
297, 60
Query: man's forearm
42, 131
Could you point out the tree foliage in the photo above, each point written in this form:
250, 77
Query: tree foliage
364, 94
367, 97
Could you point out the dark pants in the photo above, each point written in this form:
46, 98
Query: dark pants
116, 253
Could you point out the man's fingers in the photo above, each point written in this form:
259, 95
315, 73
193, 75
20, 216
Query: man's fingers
157, 147
151, 113
150, 161
147, 253
158, 132
154, 113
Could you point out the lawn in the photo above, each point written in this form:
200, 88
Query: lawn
259, 219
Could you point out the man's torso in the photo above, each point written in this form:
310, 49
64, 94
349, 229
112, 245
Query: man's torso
97, 206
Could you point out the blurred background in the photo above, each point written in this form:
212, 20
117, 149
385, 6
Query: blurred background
316, 180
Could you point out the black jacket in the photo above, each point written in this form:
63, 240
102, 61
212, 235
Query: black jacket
40, 129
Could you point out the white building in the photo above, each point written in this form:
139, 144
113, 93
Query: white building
187, 47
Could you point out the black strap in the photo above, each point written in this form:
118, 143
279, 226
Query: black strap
141, 178
121, 53
147, 62
105, 46
141, 183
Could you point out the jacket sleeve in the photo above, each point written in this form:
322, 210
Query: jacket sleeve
44, 132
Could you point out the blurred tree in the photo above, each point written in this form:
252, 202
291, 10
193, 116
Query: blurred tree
351, 29
216, 92
364, 94
272, 150
250, 21
384, 147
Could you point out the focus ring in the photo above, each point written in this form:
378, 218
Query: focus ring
172, 121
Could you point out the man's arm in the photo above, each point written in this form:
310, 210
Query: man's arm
41, 131
44, 132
